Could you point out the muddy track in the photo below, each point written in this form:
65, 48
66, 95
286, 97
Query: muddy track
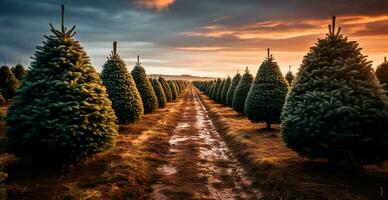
199, 165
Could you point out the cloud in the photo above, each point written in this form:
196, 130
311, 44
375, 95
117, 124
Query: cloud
155, 4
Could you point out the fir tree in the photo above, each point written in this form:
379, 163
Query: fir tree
148, 96
162, 100
173, 90
121, 88
61, 112
19, 72
289, 76
216, 88
268, 92
240, 95
229, 96
219, 91
225, 89
166, 89
336, 108
8, 83
382, 74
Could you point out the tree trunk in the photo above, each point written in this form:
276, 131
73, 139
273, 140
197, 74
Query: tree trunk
268, 125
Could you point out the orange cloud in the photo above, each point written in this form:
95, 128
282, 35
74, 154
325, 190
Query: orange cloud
154, 4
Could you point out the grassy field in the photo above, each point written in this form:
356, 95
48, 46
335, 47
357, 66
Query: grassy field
283, 174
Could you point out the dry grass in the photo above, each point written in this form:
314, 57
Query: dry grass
283, 174
124, 172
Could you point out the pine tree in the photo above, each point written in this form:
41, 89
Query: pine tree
8, 83
229, 96
121, 88
173, 90
289, 76
19, 72
166, 89
148, 96
268, 92
382, 74
219, 91
216, 88
240, 95
225, 89
162, 100
61, 111
336, 108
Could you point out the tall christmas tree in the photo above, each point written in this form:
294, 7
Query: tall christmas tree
225, 89
61, 112
121, 88
229, 96
173, 90
289, 76
162, 100
382, 74
148, 96
8, 83
240, 95
166, 89
336, 108
19, 71
268, 92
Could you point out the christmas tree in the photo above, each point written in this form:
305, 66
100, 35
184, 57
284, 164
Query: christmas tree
8, 83
336, 108
61, 111
121, 88
289, 76
166, 89
162, 100
148, 96
225, 89
173, 90
215, 89
266, 97
382, 74
19, 72
219, 91
240, 95
229, 96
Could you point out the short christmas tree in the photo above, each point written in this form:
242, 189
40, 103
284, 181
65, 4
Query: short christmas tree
162, 100
289, 76
173, 90
19, 71
268, 92
148, 96
61, 111
219, 91
121, 88
166, 89
215, 89
382, 74
240, 95
8, 83
336, 108
225, 89
230, 94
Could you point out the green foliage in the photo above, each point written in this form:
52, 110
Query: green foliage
162, 100
336, 108
268, 92
173, 90
225, 89
217, 86
122, 91
241, 92
61, 111
19, 72
166, 89
219, 92
290, 77
148, 96
8, 83
230, 94
382, 74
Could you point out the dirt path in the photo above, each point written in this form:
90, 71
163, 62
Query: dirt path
199, 165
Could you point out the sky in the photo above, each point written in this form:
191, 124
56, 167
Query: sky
197, 37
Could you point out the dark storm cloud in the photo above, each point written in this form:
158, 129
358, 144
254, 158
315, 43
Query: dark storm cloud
140, 29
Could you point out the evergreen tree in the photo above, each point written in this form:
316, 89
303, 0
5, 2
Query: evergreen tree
8, 83
19, 72
162, 100
61, 111
148, 96
382, 74
219, 91
268, 92
121, 88
229, 96
336, 108
225, 89
289, 76
216, 88
173, 90
166, 89
240, 95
